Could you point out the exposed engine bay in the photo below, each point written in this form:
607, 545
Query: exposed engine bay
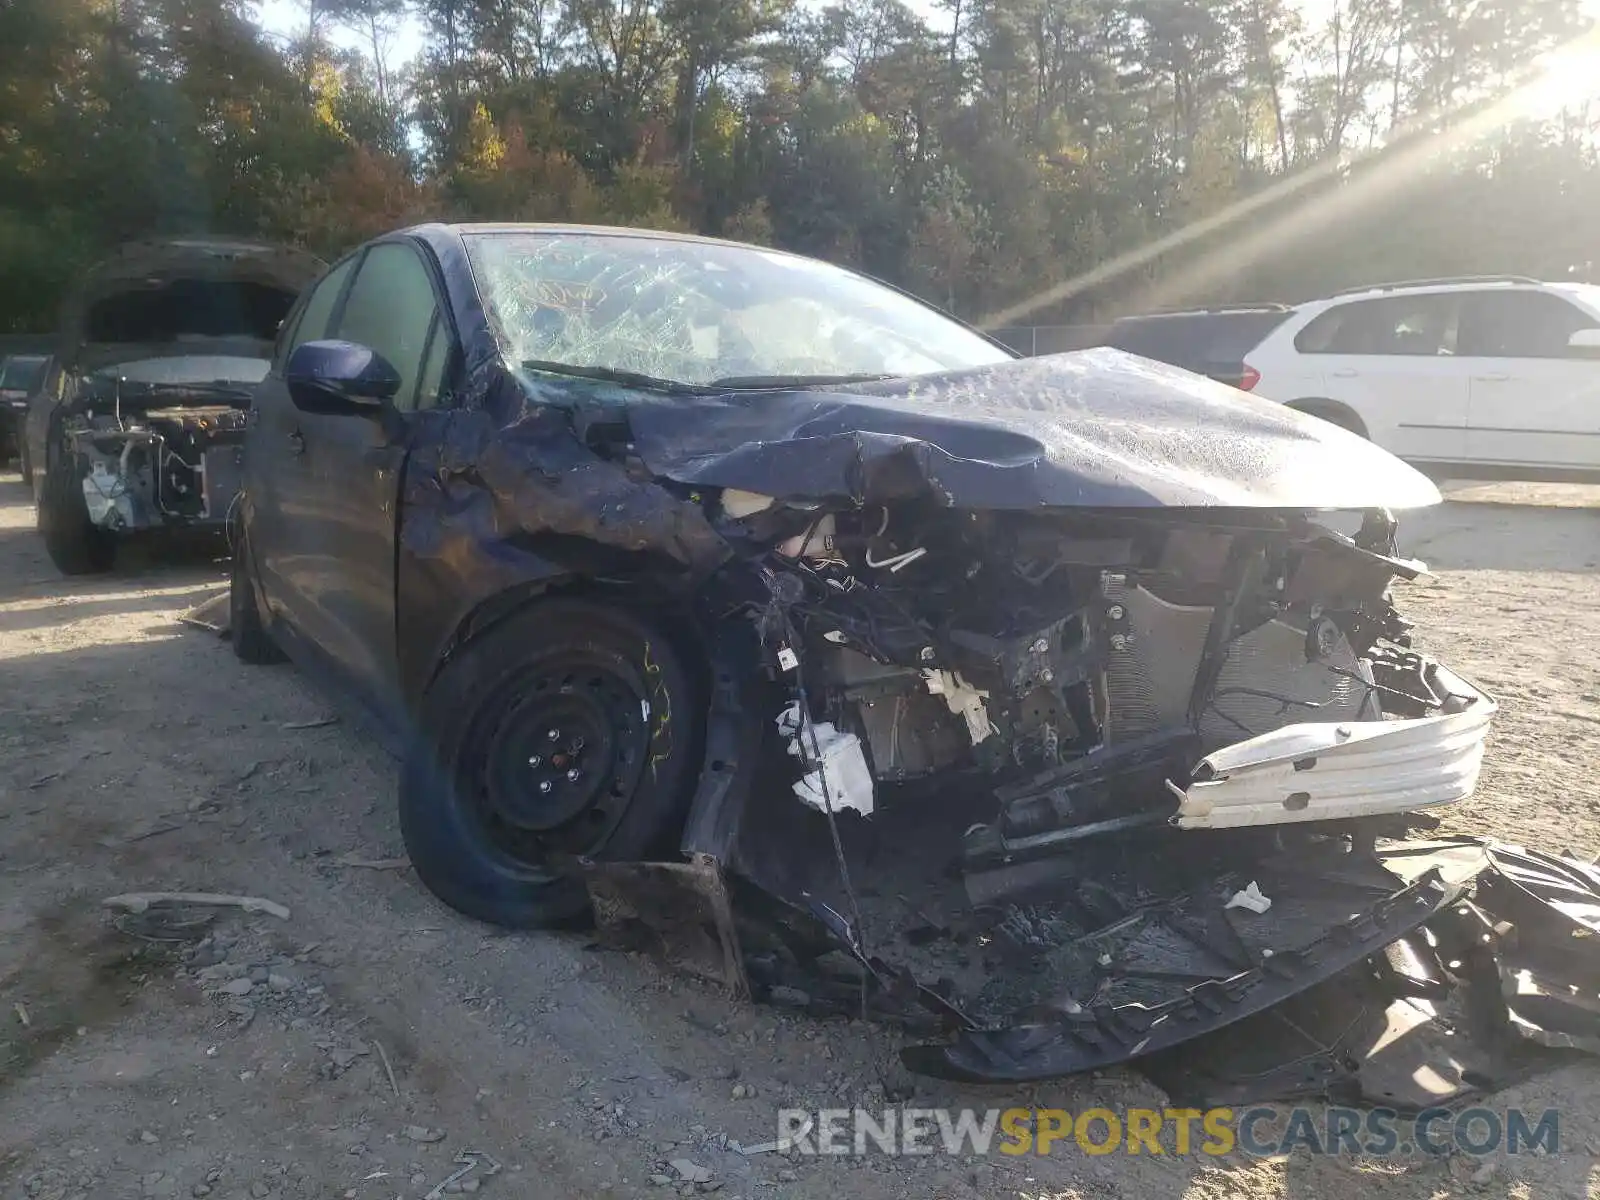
169, 457
1093, 667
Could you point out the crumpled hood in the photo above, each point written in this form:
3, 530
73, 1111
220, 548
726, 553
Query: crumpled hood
182, 296
1090, 428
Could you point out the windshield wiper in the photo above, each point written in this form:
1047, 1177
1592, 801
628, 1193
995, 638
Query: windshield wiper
611, 375
755, 382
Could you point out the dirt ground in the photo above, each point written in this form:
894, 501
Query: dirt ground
359, 1047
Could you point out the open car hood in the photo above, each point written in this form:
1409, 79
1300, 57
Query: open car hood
1092, 428
182, 296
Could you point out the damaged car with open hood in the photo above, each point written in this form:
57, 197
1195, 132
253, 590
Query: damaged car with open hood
159, 349
1056, 706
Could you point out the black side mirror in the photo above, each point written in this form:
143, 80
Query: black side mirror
336, 378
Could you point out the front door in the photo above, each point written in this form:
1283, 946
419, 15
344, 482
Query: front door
1533, 404
278, 487
342, 540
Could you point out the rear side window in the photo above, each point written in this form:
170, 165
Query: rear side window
312, 323
1425, 324
1505, 324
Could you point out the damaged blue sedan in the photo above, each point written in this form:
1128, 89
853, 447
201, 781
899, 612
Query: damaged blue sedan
761, 611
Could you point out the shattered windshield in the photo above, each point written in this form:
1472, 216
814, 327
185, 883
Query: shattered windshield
703, 313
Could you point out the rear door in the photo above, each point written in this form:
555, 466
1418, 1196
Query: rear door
342, 536
1392, 361
1533, 403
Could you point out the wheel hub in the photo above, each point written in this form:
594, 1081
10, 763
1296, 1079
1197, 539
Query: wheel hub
563, 760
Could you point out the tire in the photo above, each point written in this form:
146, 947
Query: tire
73, 542
1333, 414
628, 717
251, 642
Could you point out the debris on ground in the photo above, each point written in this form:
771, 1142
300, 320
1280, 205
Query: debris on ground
1250, 898
210, 614
422, 1133
1489, 990
142, 831
691, 1171
139, 902
352, 859
473, 1167
388, 1069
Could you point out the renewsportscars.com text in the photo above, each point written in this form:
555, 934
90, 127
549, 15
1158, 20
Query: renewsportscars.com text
1263, 1131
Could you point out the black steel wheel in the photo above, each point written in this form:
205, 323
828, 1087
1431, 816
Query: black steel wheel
74, 543
571, 728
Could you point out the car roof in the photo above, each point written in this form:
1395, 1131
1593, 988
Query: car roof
556, 229
1223, 311
1443, 284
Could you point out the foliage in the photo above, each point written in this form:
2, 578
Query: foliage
1032, 156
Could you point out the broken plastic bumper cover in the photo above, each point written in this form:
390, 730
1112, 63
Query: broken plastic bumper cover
1099, 1036
1336, 770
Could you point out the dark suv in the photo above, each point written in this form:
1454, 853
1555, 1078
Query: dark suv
1207, 341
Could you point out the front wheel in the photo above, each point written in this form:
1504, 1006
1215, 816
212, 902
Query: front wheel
570, 728
75, 544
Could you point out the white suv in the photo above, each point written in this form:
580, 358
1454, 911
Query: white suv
1484, 377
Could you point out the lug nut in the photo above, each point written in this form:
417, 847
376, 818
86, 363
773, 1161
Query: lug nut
1041, 645
554, 735
1115, 612
544, 786
1119, 641
574, 775
535, 761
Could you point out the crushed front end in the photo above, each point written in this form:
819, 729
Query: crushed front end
1076, 785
